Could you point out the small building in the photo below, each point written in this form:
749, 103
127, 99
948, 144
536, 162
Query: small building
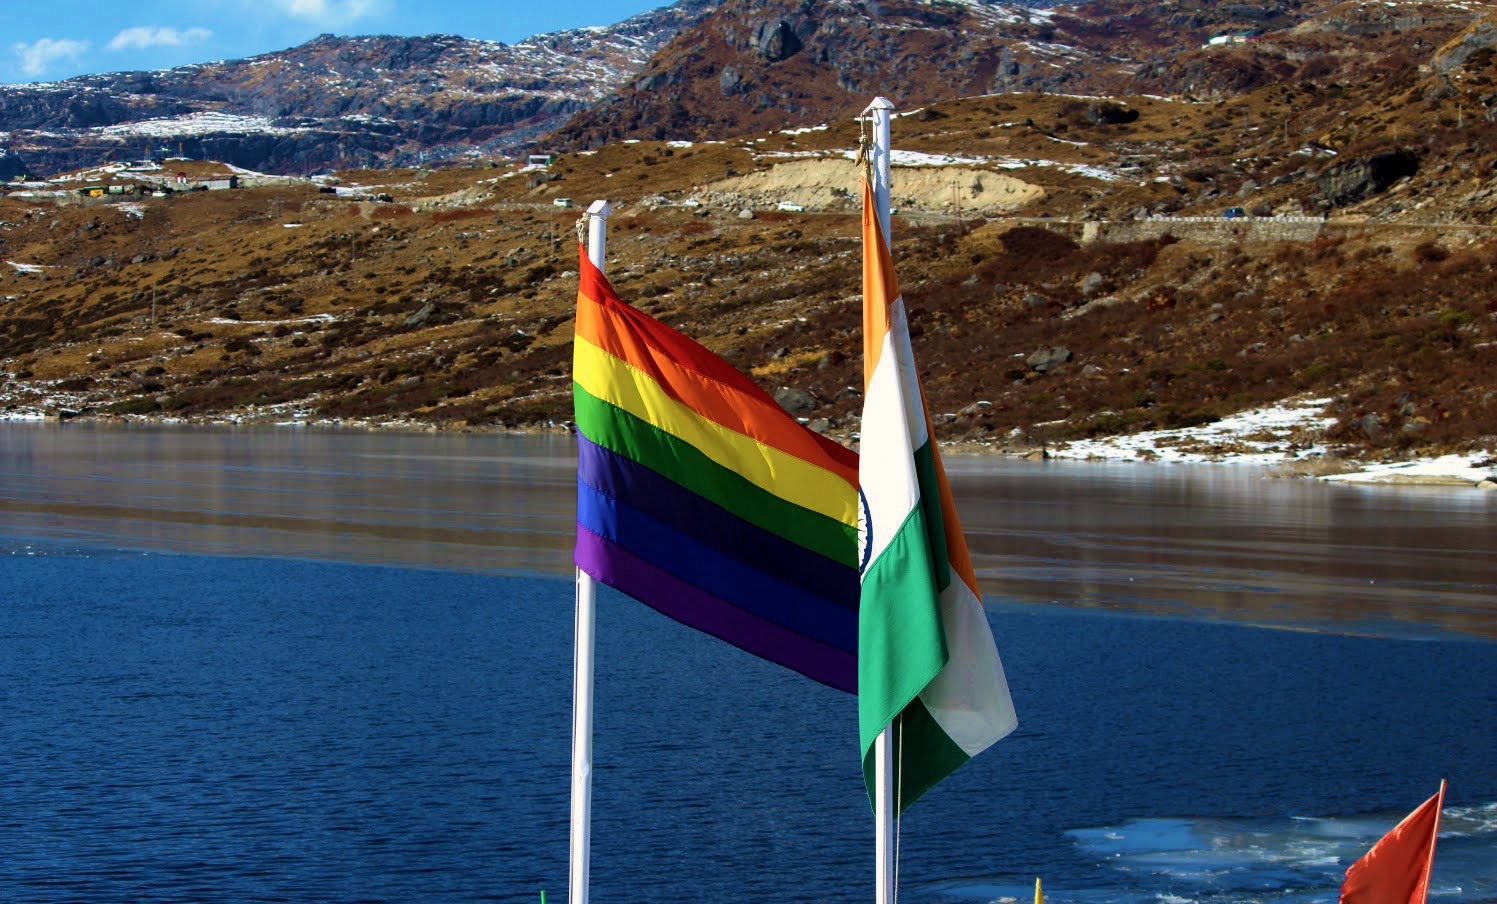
1240, 37
540, 159
181, 178
222, 182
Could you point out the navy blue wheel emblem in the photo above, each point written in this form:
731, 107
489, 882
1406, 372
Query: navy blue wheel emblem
865, 532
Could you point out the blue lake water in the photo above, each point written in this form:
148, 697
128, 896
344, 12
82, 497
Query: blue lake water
304, 724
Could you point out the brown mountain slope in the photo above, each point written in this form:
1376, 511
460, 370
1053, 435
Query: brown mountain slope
767, 64
452, 304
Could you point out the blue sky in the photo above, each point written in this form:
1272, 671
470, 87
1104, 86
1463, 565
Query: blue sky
45, 41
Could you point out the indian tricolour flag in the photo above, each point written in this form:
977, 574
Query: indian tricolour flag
927, 663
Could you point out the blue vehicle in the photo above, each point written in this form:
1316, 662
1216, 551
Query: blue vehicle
1233, 213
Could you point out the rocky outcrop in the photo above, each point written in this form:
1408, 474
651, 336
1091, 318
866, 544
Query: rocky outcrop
768, 64
1357, 180
1480, 40
777, 41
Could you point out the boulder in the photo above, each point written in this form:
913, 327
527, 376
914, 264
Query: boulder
1105, 114
1048, 358
423, 314
1356, 180
776, 41
794, 400
729, 82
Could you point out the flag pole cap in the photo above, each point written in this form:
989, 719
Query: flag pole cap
879, 103
599, 208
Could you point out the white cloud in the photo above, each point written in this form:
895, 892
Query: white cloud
331, 12
38, 56
142, 36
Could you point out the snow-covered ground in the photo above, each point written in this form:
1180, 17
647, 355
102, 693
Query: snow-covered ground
315, 318
202, 123
1263, 436
1277, 435
1453, 469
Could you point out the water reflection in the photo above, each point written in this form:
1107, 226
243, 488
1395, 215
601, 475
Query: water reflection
469, 502
1230, 541
1215, 541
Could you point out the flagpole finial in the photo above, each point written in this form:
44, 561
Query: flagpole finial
879, 103
595, 221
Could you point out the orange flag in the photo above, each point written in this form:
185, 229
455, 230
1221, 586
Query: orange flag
1396, 870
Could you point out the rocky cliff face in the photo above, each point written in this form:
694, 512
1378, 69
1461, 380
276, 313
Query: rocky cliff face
765, 64
760, 64
337, 101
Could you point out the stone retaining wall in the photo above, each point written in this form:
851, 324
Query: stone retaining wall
1210, 230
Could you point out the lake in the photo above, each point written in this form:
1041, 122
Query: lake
318, 665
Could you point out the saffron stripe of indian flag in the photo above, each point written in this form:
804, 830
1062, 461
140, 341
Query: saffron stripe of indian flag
927, 661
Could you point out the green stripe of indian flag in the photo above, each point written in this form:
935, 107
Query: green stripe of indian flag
925, 652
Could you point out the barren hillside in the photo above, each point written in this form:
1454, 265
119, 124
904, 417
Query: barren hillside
1092, 305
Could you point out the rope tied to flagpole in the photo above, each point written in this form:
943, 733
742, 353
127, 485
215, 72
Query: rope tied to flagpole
898, 796
582, 227
865, 145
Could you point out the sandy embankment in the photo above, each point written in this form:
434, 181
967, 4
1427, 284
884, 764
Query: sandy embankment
824, 183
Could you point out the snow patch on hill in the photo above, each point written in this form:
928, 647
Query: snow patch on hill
197, 124
1262, 436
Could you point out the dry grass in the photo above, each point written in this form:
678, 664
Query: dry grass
1392, 325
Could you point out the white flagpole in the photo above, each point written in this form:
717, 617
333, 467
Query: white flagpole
582, 665
884, 804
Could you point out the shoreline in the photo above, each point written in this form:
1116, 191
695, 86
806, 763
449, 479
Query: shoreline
1285, 440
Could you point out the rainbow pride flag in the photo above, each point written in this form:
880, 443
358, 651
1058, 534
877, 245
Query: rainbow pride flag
702, 498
